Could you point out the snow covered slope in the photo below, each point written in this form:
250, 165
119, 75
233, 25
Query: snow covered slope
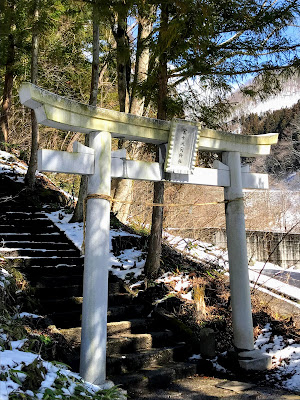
287, 97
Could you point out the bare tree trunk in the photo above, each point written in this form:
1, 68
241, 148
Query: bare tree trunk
95, 62
124, 187
79, 209
30, 175
8, 83
119, 29
142, 58
155, 240
122, 192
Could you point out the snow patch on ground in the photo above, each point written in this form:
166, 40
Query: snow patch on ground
74, 231
285, 356
9, 163
198, 250
12, 362
27, 315
4, 275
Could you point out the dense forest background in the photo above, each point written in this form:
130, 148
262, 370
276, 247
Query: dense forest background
128, 44
158, 59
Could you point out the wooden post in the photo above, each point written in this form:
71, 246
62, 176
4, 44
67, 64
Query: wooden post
96, 262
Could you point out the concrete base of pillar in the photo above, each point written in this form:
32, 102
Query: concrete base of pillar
254, 360
107, 385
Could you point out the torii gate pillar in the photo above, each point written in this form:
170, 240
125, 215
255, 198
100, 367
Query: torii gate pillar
237, 254
96, 263
238, 270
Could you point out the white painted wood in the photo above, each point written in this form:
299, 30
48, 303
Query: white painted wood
80, 148
64, 162
119, 153
203, 176
96, 263
140, 170
237, 255
245, 168
146, 171
83, 164
219, 145
255, 181
59, 112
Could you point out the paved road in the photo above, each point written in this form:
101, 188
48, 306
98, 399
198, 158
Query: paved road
289, 277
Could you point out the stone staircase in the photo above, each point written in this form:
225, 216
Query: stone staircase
141, 351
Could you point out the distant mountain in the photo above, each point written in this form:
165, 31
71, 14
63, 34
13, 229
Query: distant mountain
286, 98
278, 113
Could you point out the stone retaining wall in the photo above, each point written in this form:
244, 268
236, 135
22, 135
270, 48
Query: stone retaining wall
278, 247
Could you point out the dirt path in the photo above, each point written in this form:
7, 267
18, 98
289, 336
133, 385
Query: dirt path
207, 388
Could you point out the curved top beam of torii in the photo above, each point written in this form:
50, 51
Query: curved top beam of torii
61, 113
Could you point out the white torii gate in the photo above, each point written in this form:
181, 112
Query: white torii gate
100, 165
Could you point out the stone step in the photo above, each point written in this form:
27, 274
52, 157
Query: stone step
23, 244
72, 318
44, 272
121, 364
34, 237
54, 261
58, 293
21, 215
117, 313
134, 342
22, 224
120, 299
149, 378
72, 335
55, 301
65, 305
137, 325
131, 343
19, 252
114, 287
66, 320
31, 229
52, 285
57, 281
10, 206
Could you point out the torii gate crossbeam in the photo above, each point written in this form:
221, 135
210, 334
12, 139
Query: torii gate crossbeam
99, 164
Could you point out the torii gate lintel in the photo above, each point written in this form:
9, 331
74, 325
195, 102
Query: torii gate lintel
100, 164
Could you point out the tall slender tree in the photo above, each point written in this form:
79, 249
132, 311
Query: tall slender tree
216, 41
30, 175
12, 24
155, 240
131, 98
79, 209
145, 18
